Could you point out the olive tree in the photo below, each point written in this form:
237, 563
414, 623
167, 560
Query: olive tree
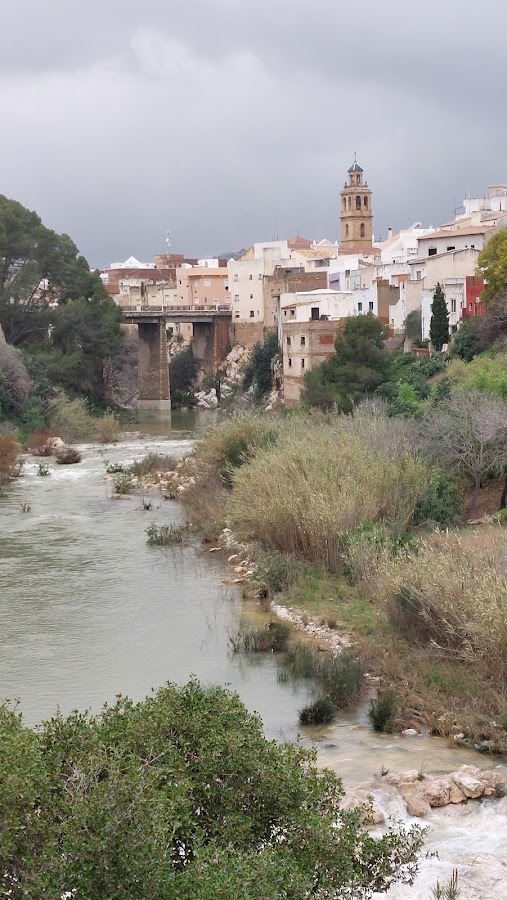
469, 431
180, 795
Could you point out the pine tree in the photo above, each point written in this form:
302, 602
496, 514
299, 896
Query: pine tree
439, 325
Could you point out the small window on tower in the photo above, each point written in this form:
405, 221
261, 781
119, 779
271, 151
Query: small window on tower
346, 230
349, 203
365, 202
358, 202
361, 230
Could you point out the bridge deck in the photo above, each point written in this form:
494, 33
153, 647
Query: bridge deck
143, 314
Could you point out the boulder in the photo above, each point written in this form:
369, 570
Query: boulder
417, 805
493, 782
456, 795
437, 792
470, 786
402, 777
55, 443
410, 732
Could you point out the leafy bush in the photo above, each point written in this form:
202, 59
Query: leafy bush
70, 419
115, 469
320, 712
227, 446
151, 464
258, 371
442, 503
164, 535
275, 572
183, 368
467, 342
123, 484
68, 456
43, 470
181, 795
382, 711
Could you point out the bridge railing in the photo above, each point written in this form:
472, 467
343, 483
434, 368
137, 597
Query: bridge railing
168, 309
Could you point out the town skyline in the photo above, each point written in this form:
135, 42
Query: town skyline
226, 126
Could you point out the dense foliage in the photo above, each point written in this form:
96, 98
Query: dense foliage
179, 796
55, 309
259, 370
183, 368
492, 264
359, 366
439, 323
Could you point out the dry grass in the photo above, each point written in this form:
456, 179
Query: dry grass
108, 427
9, 466
452, 592
234, 441
303, 494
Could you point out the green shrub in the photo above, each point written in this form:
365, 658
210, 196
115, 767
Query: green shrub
123, 484
181, 796
108, 427
70, 419
275, 572
233, 442
500, 517
43, 470
273, 637
258, 371
339, 676
164, 535
183, 369
115, 469
320, 712
442, 503
382, 711
151, 464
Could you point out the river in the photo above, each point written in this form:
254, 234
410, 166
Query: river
89, 610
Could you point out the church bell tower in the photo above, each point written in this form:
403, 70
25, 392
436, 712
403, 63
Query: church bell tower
356, 213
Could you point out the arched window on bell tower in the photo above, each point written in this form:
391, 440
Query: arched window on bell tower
366, 202
362, 230
346, 230
358, 202
350, 203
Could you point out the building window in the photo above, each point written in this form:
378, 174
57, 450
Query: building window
432, 251
252, 313
344, 203
290, 363
315, 313
451, 248
236, 298
251, 296
302, 363
359, 307
250, 277
349, 203
346, 230
418, 275
472, 246
453, 304
207, 282
288, 341
365, 202
362, 230
236, 278
358, 179
358, 202
303, 340
370, 305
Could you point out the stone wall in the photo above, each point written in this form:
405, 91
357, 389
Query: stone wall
247, 334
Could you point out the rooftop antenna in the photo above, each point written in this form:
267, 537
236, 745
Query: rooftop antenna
168, 240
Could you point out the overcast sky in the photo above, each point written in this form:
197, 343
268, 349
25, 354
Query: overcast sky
227, 121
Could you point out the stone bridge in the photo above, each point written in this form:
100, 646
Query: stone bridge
210, 341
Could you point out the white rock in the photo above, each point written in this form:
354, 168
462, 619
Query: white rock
402, 777
410, 732
470, 786
437, 792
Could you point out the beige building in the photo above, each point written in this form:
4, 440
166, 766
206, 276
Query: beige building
203, 285
304, 345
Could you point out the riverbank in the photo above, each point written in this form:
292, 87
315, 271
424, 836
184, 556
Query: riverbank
447, 684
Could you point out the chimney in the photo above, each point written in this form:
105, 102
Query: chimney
389, 233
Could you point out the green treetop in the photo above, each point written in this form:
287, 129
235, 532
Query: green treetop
439, 324
492, 265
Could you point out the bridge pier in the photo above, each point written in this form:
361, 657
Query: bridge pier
210, 342
153, 372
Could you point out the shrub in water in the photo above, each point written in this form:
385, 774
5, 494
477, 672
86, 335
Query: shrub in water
151, 464
338, 675
382, 711
8, 459
123, 484
164, 535
272, 637
108, 427
115, 469
43, 470
68, 456
320, 712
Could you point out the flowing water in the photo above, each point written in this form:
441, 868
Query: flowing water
89, 610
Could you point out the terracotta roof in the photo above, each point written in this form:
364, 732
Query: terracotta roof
296, 242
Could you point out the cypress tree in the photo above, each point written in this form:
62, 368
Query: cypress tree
439, 325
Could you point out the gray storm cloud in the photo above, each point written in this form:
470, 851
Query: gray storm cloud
228, 122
